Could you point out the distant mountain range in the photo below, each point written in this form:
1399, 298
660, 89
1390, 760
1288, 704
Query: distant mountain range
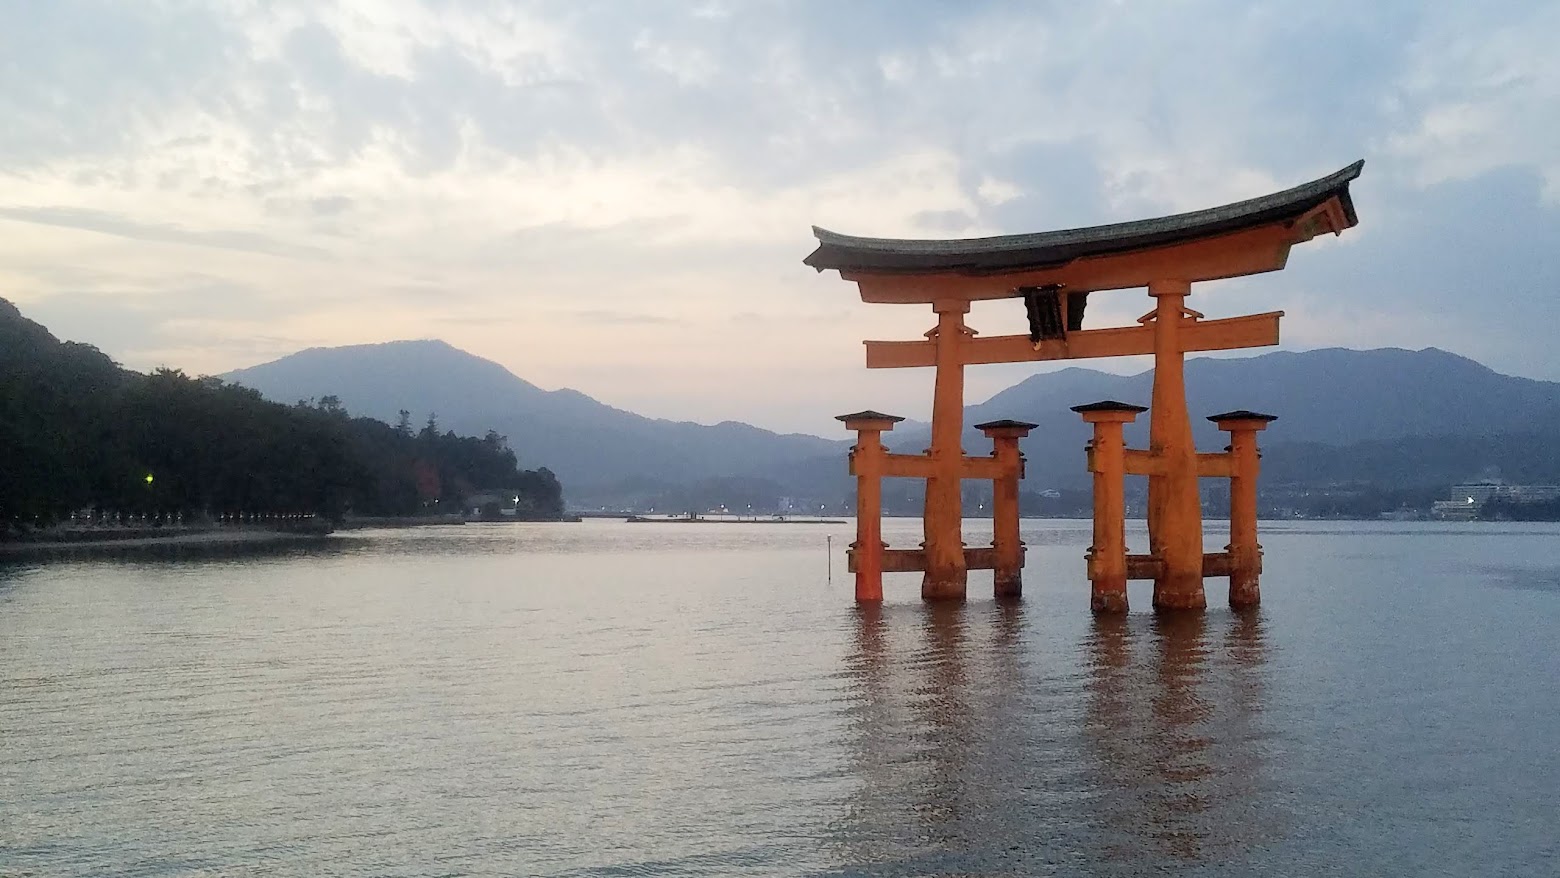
600, 453
1391, 415
1386, 401
1331, 395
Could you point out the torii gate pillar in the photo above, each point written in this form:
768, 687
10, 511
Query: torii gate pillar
867, 465
1244, 463
1007, 576
1107, 556
946, 575
1174, 506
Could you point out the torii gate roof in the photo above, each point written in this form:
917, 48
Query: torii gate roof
1321, 205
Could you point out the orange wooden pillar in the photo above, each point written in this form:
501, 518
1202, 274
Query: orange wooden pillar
946, 574
1107, 558
1174, 505
866, 464
1007, 571
1245, 552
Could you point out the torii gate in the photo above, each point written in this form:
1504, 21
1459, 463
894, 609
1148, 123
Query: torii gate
1054, 272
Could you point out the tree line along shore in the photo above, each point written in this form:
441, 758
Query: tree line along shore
88, 445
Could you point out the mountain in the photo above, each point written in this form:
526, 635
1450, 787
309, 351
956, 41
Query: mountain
598, 452
1424, 417
1333, 395
27, 347
1371, 401
80, 434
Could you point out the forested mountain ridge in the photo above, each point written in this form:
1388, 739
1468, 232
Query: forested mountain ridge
77, 431
601, 452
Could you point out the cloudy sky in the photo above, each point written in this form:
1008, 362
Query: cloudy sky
616, 196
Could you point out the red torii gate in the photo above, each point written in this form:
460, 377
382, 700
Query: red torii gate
1054, 273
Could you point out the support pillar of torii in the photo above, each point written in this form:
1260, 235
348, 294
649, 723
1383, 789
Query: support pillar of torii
871, 462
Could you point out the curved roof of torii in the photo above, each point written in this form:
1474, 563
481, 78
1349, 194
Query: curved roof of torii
1013, 253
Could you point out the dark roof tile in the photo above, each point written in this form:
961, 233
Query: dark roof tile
1242, 415
1109, 405
867, 415
1048, 249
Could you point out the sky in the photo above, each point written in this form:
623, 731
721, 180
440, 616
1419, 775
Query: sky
617, 196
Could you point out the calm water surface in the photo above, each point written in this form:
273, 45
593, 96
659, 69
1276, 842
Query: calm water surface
616, 699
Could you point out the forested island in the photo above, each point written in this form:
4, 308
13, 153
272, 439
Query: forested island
81, 436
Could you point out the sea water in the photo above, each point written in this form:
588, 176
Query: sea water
607, 698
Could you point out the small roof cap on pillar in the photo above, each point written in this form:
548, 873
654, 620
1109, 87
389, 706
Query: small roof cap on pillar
1109, 411
1242, 415
1006, 429
868, 415
869, 420
1006, 423
1110, 405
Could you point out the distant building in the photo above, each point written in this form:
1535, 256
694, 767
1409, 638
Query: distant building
493, 504
1455, 510
1467, 501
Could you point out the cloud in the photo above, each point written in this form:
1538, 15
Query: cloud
125, 227
636, 176
1477, 94
617, 318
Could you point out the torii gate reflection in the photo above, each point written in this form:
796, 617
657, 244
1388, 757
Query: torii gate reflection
976, 745
1054, 273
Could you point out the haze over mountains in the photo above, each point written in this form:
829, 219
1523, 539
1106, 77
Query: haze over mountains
1387, 415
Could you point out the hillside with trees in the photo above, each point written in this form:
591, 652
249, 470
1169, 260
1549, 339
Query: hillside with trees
607, 456
77, 432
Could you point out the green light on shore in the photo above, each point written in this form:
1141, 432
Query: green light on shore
148, 478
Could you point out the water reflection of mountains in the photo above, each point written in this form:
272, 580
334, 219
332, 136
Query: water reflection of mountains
982, 745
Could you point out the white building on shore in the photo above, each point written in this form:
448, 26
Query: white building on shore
1467, 501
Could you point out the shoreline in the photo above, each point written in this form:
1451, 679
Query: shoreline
638, 519
366, 522
108, 542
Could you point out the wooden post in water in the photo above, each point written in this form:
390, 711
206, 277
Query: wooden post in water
1107, 558
1245, 462
946, 574
866, 464
1174, 505
1007, 567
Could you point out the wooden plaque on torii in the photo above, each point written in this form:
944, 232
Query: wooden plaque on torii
1054, 273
